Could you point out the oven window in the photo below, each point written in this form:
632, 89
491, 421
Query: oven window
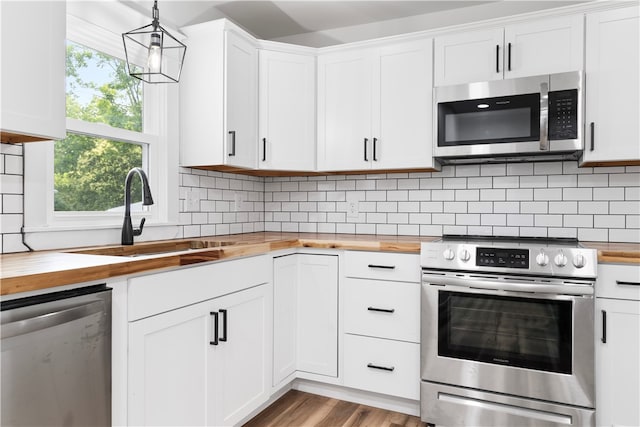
523, 332
490, 120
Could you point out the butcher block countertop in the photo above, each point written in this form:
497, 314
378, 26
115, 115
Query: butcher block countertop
32, 271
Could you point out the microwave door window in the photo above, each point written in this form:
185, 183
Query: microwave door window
489, 121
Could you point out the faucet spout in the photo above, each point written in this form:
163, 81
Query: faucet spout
127, 228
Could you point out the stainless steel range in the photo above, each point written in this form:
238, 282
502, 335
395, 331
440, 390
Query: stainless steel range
507, 332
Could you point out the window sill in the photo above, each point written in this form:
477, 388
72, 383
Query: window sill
65, 237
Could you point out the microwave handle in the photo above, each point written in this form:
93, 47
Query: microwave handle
544, 116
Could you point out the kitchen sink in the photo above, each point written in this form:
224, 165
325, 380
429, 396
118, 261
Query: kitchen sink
147, 249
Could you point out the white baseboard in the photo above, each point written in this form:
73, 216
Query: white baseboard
390, 403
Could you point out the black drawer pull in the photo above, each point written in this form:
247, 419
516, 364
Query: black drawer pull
224, 324
385, 267
215, 328
604, 327
382, 368
381, 310
623, 283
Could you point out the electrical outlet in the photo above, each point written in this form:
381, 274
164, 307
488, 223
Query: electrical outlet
193, 200
352, 209
238, 199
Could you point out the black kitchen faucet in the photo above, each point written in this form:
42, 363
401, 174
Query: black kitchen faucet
127, 229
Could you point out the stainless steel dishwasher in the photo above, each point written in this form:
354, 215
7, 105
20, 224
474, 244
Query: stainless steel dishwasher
56, 359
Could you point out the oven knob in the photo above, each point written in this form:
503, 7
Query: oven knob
542, 259
465, 255
579, 261
560, 259
449, 254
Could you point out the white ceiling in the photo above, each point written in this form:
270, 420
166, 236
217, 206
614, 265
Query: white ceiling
323, 22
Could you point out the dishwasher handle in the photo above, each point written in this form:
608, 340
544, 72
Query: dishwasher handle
49, 320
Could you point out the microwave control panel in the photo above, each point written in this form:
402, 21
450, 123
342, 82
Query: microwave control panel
563, 114
496, 257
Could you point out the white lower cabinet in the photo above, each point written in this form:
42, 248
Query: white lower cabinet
618, 345
305, 315
207, 363
381, 311
382, 366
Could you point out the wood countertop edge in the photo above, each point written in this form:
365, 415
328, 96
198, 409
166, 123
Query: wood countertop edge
25, 281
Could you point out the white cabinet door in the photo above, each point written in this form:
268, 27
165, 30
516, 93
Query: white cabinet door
548, 46
219, 98
241, 101
287, 111
612, 86
475, 56
33, 71
285, 316
240, 365
617, 362
402, 122
168, 362
344, 110
318, 314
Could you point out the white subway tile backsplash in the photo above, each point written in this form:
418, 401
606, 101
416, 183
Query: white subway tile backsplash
562, 181
455, 207
506, 207
630, 207
480, 207
534, 207
420, 218
579, 221
593, 234
454, 183
493, 219
506, 182
631, 193
547, 194
480, 182
442, 195
519, 168
536, 181
467, 170
610, 221
365, 185
568, 233
593, 208
563, 207
547, 220
494, 169
601, 180
630, 236
398, 196
522, 194
547, 168
633, 221
520, 220
493, 194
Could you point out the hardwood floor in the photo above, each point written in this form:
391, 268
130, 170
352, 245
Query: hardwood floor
299, 409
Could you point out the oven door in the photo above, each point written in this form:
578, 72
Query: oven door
510, 336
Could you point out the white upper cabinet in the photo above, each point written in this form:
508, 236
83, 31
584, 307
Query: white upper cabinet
374, 108
402, 114
547, 46
469, 57
287, 111
218, 97
33, 70
344, 110
612, 87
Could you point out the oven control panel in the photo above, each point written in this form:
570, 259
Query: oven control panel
506, 258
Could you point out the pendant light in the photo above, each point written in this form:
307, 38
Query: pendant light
153, 55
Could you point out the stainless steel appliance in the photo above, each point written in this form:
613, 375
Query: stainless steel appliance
507, 332
56, 359
526, 118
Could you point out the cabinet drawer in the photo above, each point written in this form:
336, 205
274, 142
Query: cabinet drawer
618, 281
383, 266
382, 366
382, 309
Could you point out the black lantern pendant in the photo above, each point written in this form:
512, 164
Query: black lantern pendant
153, 55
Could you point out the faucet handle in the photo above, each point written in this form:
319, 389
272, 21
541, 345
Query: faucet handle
138, 231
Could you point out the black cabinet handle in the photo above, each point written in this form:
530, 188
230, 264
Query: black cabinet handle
382, 368
375, 157
224, 324
381, 310
604, 327
232, 152
497, 58
509, 56
385, 267
593, 138
215, 328
366, 140
622, 283
264, 149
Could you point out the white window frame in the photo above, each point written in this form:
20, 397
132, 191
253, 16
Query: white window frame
99, 25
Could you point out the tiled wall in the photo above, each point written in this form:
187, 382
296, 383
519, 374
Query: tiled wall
226, 203
524, 199
11, 183
554, 199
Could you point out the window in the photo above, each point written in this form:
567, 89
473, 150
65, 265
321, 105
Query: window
75, 187
89, 170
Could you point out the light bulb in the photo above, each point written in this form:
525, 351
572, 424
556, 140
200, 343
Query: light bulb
154, 60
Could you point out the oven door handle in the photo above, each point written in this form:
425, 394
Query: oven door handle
537, 287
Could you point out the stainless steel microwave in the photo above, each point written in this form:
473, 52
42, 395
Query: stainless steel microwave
528, 118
